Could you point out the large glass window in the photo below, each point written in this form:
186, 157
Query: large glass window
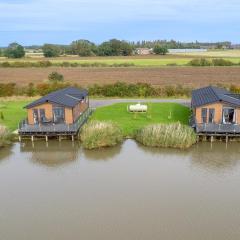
228, 115
211, 115
204, 115
58, 114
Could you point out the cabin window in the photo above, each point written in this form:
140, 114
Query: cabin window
204, 115
35, 116
228, 115
42, 115
58, 114
211, 115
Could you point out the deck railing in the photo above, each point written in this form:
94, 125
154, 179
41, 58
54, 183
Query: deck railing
50, 128
217, 128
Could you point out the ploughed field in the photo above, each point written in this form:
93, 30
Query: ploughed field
187, 76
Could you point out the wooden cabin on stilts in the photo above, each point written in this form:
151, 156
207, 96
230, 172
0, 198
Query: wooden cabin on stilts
58, 114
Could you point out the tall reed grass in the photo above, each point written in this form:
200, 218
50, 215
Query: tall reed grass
173, 135
5, 136
97, 134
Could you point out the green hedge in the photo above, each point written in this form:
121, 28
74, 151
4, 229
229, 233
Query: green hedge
44, 64
203, 62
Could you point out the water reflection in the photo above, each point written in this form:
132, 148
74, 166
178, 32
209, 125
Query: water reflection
163, 151
215, 157
104, 154
51, 154
5, 152
212, 157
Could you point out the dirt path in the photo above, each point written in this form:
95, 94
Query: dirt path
105, 102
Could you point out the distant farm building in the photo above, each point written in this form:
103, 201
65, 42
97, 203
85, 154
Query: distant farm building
144, 51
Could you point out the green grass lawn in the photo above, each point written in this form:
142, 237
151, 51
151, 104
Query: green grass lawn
13, 113
180, 59
130, 122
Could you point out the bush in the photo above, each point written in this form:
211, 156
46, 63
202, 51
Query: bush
7, 89
97, 134
200, 62
5, 136
173, 135
45, 88
221, 62
55, 77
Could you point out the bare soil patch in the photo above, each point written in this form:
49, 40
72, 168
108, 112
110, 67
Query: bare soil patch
187, 76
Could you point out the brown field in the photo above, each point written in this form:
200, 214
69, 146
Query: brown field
187, 76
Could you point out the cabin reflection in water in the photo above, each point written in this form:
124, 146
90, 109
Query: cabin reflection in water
217, 157
51, 154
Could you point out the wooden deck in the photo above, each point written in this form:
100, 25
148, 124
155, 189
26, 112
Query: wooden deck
213, 129
53, 129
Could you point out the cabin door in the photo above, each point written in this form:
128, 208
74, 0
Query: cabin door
229, 115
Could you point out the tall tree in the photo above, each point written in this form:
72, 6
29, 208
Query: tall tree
115, 47
14, 50
83, 48
51, 50
161, 50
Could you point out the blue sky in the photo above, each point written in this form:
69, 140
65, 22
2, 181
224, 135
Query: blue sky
61, 21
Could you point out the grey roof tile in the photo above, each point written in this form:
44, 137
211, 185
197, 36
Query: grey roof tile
210, 94
68, 97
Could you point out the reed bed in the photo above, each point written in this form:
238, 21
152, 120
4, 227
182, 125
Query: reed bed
5, 136
98, 134
173, 135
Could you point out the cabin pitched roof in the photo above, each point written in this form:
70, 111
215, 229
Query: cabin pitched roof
68, 97
210, 94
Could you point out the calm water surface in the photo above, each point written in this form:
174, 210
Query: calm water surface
125, 193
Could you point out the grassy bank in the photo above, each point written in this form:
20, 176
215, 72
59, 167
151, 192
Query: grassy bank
173, 135
5, 136
12, 112
131, 122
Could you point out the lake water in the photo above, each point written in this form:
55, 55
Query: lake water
124, 193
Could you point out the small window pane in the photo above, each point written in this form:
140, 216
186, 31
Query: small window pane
204, 115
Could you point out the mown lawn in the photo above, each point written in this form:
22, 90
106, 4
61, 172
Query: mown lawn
130, 122
12, 112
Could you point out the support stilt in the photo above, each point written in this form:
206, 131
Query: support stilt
72, 138
46, 138
32, 138
59, 138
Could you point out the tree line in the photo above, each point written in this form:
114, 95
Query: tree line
113, 47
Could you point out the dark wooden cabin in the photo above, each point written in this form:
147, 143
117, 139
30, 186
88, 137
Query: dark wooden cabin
59, 113
216, 111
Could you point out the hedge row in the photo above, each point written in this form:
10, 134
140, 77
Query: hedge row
43, 64
118, 89
203, 62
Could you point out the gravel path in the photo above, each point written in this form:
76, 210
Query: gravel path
105, 102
